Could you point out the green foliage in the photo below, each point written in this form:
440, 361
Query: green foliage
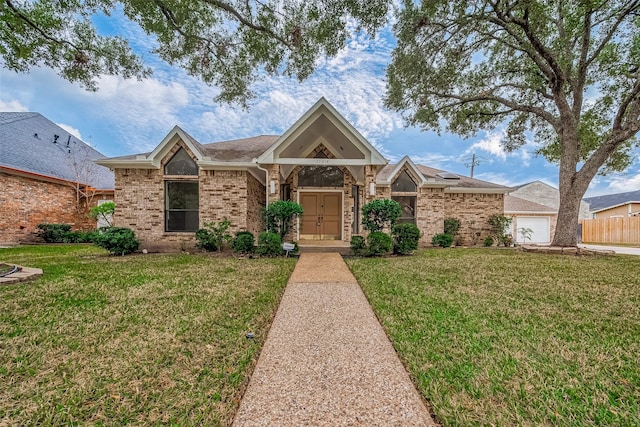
500, 226
103, 212
213, 236
117, 240
358, 245
526, 233
380, 213
269, 244
80, 236
53, 233
229, 45
528, 68
279, 216
443, 240
244, 242
451, 226
379, 243
405, 238
488, 241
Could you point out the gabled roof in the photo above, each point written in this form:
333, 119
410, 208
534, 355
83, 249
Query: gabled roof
27, 145
323, 117
514, 205
432, 177
599, 203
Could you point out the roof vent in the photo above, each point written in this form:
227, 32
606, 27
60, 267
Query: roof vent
448, 175
55, 138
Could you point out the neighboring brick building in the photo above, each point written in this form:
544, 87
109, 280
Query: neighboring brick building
46, 176
321, 162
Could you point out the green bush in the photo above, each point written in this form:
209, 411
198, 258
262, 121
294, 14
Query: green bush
379, 243
279, 216
451, 226
500, 228
443, 240
53, 233
405, 238
118, 240
358, 245
80, 236
103, 212
488, 241
380, 213
269, 244
244, 242
213, 236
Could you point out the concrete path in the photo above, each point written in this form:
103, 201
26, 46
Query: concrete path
327, 360
623, 250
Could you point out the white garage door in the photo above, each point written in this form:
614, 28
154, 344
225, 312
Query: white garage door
539, 225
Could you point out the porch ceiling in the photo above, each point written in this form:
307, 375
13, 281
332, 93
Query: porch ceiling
322, 130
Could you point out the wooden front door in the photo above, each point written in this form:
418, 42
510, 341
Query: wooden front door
322, 216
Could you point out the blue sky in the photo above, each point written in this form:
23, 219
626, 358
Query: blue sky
129, 116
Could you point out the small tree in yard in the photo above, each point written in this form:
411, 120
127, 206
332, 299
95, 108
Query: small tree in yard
279, 216
380, 213
500, 228
213, 236
103, 212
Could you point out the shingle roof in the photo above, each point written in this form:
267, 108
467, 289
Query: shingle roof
600, 202
26, 143
464, 182
240, 150
514, 204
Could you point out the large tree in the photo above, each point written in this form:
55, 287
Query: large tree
228, 43
565, 73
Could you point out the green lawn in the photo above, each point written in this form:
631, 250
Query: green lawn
498, 337
145, 339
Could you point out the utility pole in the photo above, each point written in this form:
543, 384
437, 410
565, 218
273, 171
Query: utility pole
475, 161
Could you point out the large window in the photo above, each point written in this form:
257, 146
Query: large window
408, 204
403, 184
181, 205
320, 176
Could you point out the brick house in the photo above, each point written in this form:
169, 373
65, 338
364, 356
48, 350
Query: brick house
321, 162
46, 176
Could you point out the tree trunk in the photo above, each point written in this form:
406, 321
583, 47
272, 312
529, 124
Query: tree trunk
572, 188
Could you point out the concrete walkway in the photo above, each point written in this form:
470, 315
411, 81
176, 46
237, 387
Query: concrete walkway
327, 360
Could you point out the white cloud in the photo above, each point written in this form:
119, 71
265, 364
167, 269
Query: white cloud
622, 184
73, 131
13, 106
492, 144
498, 178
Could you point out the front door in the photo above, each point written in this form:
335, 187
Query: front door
322, 216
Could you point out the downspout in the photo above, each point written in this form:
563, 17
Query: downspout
266, 190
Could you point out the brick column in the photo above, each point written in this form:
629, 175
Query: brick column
274, 175
370, 172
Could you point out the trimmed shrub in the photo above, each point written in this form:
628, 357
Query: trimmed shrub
443, 240
405, 238
379, 243
244, 242
269, 244
118, 240
380, 213
488, 241
279, 216
358, 245
213, 236
80, 236
53, 233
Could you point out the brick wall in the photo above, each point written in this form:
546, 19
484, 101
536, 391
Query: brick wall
473, 211
231, 194
27, 202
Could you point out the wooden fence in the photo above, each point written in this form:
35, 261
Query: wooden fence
611, 230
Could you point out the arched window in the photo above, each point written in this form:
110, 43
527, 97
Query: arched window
181, 164
404, 184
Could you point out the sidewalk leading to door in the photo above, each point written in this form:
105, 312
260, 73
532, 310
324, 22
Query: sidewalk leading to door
327, 360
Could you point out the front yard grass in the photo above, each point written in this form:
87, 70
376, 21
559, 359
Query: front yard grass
142, 340
498, 337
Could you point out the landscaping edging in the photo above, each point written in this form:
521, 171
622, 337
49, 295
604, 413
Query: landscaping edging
558, 250
22, 275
